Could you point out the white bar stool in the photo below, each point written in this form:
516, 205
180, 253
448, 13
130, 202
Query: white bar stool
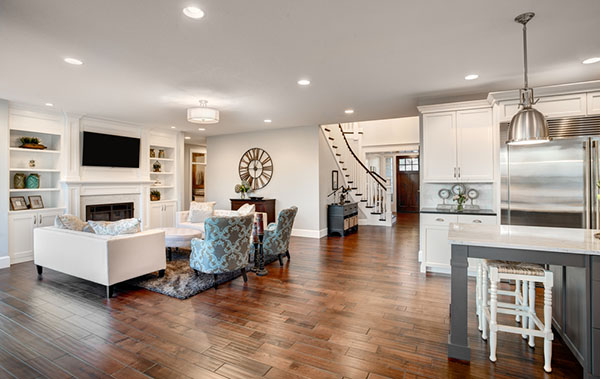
532, 327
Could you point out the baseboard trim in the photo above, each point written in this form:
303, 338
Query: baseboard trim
4, 262
323, 233
309, 233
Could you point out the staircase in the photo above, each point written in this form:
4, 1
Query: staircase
367, 188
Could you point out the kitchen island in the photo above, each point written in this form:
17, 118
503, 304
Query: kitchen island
574, 256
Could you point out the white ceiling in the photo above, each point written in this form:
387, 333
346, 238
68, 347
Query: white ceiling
145, 62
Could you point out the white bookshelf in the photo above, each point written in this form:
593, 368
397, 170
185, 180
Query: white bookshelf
166, 176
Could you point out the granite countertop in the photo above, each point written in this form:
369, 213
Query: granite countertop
566, 240
480, 212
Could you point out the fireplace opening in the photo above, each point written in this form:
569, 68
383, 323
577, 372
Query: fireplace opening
108, 212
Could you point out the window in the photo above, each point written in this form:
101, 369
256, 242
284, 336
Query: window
408, 164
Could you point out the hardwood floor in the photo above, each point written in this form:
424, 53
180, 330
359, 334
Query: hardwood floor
353, 307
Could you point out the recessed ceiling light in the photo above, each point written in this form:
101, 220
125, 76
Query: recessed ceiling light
201, 129
471, 77
49, 104
193, 12
268, 121
172, 127
304, 82
187, 137
74, 61
591, 60
349, 111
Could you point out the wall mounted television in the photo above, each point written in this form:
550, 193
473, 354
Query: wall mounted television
105, 150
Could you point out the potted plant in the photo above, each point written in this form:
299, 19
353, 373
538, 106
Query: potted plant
31, 143
154, 195
243, 188
460, 201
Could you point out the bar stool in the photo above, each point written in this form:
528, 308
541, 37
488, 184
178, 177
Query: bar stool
531, 326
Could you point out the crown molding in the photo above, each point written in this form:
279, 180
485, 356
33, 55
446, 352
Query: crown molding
560, 89
457, 106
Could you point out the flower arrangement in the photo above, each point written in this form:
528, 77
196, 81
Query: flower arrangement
460, 201
242, 188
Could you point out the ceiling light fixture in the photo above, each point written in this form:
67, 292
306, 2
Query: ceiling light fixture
193, 12
201, 129
74, 61
203, 114
349, 111
172, 127
267, 121
49, 104
591, 60
471, 77
529, 125
303, 82
187, 137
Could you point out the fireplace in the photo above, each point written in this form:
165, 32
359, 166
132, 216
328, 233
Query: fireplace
108, 212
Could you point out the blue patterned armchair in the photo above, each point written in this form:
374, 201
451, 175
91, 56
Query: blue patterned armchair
276, 240
225, 248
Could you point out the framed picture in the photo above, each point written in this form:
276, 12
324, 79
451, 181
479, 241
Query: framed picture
18, 203
334, 180
36, 202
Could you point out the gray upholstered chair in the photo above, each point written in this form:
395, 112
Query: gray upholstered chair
276, 240
225, 248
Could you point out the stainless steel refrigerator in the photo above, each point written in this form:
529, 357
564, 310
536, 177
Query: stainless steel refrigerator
555, 183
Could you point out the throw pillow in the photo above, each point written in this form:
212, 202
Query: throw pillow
246, 209
126, 226
200, 211
69, 222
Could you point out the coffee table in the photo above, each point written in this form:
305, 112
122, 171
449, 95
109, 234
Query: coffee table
180, 238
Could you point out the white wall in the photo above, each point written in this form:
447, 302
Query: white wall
4, 135
295, 181
327, 164
390, 135
187, 173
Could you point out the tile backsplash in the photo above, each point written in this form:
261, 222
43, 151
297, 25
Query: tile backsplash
430, 198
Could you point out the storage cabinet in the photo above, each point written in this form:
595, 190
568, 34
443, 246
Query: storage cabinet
550, 106
435, 248
162, 214
342, 219
20, 231
593, 103
458, 146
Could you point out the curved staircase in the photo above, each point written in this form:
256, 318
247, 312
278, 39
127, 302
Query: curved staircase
367, 188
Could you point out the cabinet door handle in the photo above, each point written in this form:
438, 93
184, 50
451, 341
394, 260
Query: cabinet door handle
455, 172
439, 219
459, 172
34, 220
477, 221
40, 221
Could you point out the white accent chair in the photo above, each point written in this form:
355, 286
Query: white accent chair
101, 259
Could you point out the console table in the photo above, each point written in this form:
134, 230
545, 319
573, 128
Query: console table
265, 205
342, 219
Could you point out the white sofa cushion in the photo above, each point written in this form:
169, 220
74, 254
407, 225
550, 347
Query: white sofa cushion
70, 222
200, 211
246, 209
117, 228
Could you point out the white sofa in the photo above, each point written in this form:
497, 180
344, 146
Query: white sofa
182, 219
100, 259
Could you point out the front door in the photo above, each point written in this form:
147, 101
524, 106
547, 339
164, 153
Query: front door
407, 183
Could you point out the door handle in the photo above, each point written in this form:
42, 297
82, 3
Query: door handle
439, 219
477, 221
34, 219
40, 221
454, 172
459, 172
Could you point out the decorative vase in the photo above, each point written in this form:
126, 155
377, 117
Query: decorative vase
19, 181
32, 181
156, 166
32, 163
161, 153
152, 153
460, 207
242, 195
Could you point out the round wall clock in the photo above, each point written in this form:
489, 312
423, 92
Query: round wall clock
256, 167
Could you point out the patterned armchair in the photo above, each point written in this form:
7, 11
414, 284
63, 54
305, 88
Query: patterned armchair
276, 240
225, 248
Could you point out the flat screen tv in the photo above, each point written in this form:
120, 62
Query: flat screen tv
106, 150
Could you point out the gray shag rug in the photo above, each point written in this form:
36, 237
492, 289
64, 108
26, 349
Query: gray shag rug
180, 280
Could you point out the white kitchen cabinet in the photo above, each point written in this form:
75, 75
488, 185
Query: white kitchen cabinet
20, 231
435, 248
551, 106
475, 145
593, 103
458, 146
439, 140
162, 214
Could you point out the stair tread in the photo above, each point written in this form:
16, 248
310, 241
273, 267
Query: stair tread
327, 130
335, 147
331, 138
375, 213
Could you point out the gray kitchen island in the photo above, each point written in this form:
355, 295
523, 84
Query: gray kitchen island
574, 257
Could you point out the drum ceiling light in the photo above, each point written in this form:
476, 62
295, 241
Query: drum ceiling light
203, 114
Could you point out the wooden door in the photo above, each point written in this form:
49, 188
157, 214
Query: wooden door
407, 184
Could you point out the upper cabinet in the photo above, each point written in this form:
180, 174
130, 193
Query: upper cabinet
593, 103
458, 146
551, 106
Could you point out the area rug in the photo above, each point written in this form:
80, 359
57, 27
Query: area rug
181, 282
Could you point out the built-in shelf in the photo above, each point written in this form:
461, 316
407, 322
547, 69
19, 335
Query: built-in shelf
162, 187
34, 169
15, 190
162, 201
34, 150
162, 159
161, 173
37, 210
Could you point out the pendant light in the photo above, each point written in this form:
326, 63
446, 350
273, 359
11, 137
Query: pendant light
529, 125
203, 114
